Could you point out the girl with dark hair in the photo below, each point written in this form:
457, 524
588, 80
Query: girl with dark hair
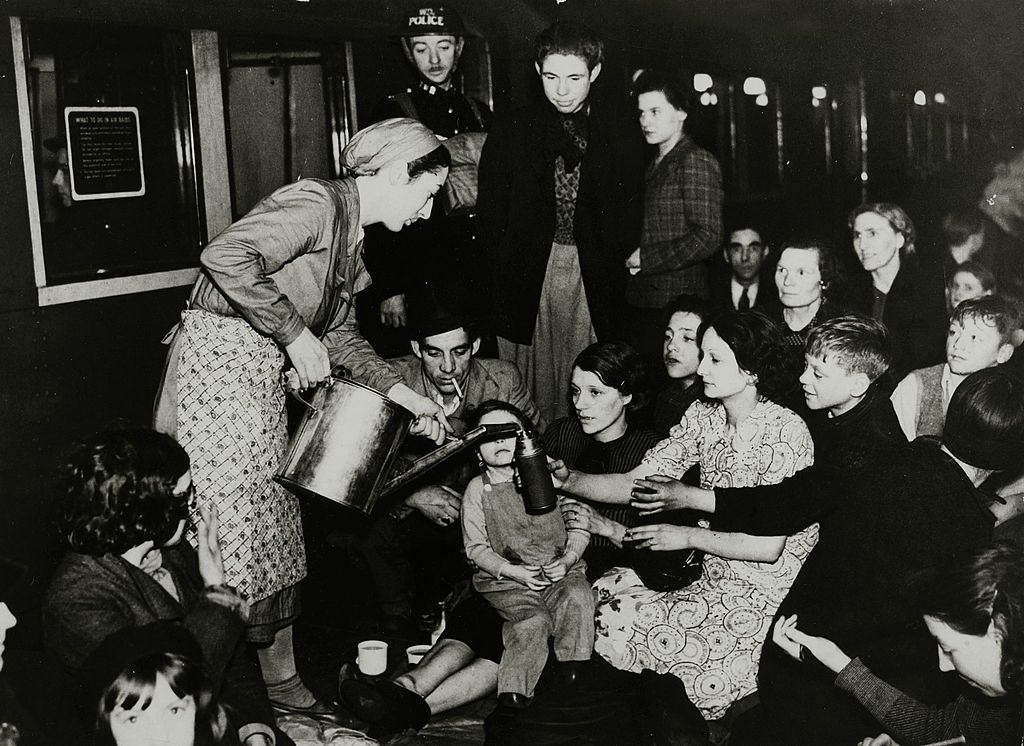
709, 633
277, 290
607, 388
161, 696
123, 509
528, 567
974, 608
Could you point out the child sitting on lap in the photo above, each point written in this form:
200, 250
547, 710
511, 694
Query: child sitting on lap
527, 566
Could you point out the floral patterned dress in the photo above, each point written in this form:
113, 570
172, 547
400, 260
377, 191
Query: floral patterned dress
710, 633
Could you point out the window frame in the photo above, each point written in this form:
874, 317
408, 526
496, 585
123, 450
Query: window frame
204, 121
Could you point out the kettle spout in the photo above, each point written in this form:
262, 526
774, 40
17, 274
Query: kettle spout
449, 449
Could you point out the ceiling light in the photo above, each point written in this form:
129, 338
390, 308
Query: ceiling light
754, 87
702, 82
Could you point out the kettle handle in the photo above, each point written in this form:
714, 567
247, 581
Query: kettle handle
295, 394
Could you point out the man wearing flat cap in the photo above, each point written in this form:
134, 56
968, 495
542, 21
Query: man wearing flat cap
439, 252
420, 528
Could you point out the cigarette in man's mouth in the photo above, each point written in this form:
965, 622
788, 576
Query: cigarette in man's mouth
458, 388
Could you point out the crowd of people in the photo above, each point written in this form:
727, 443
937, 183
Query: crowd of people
787, 480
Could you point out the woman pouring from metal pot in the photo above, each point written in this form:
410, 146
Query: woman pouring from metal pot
277, 290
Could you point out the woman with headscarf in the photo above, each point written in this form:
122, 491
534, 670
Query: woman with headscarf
278, 287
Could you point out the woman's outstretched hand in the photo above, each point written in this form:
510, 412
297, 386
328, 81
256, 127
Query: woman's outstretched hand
659, 537
658, 492
211, 564
794, 642
578, 515
559, 472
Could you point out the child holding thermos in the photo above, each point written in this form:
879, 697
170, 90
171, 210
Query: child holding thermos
528, 567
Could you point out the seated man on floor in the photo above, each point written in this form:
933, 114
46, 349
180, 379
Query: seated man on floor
420, 529
980, 334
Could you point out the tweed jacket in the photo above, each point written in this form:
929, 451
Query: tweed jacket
682, 226
90, 598
516, 216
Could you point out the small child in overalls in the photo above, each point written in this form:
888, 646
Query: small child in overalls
527, 566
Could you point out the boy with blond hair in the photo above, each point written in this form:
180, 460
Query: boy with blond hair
980, 334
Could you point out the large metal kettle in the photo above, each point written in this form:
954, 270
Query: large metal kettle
347, 444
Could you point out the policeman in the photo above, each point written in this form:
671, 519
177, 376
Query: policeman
436, 257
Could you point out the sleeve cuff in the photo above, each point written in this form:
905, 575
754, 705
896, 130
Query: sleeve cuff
252, 729
290, 329
227, 597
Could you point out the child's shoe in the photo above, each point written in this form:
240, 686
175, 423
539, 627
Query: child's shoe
514, 701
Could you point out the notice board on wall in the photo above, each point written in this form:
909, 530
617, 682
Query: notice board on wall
104, 152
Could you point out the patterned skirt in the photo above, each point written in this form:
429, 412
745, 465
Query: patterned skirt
709, 634
231, 421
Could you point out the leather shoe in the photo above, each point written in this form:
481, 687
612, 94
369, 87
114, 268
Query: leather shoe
570, 672
363, 699
514, 701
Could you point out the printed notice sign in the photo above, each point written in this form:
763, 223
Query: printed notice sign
104, 152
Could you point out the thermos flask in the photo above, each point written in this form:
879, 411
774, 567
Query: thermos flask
533, 477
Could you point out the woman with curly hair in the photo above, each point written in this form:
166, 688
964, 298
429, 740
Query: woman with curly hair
709, 633
123, 509
974, 608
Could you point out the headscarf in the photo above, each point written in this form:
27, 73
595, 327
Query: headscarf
386, 142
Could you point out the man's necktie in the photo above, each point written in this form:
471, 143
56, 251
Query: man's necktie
744, 304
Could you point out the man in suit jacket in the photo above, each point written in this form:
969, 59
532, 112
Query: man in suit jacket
558, 213
413, 545
745, 254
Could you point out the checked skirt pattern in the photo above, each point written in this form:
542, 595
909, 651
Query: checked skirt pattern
232, 424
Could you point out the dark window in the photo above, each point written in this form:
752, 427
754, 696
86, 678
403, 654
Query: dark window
108, 68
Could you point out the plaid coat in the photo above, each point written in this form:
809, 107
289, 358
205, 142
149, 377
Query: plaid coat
682, 226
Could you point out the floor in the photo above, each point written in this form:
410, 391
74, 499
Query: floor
338, 612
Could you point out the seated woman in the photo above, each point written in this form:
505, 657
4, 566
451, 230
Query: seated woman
606, 389
125, 500
683, 317
806, 271
895, 288
710, 633
807, 276
973, 609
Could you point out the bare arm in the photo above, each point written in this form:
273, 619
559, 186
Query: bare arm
666, 538
603, 488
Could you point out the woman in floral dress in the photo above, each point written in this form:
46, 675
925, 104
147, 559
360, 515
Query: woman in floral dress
710, 633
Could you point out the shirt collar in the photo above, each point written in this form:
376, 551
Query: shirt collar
737, 290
